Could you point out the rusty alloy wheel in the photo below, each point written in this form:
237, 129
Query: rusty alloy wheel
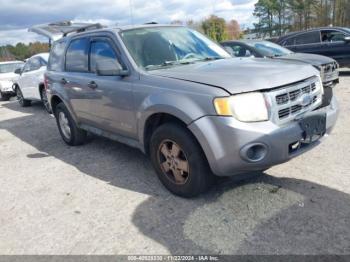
173, 162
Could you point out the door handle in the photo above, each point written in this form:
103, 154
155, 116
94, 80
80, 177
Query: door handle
92, 85
64, 81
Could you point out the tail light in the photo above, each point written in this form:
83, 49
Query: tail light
46, 82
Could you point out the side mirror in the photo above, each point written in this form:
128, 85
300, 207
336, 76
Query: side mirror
110, 68
18, 71
347, 39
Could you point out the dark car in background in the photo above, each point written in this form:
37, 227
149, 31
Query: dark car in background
333, 42
328, 67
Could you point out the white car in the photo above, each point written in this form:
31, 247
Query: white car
8, 77
30, 84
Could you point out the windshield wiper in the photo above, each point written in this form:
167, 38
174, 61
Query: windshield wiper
169, 63
211, 58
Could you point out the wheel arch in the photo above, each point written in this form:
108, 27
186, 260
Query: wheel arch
55, 99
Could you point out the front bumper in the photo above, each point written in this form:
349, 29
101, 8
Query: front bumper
330, 79
225, 139
6, 87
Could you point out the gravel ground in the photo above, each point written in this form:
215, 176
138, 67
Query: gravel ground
104, 198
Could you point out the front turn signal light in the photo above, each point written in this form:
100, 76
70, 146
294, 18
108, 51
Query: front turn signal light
222, 106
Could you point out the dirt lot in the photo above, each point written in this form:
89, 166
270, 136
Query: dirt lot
104, 198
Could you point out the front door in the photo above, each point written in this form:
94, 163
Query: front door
337, 47
112, 107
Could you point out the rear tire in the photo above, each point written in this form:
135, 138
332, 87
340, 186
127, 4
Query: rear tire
179, 161
70, 132
22, 102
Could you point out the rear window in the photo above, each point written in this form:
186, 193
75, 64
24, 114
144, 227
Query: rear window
56, 55
76, 57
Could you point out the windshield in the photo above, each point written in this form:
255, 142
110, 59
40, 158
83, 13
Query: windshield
346, 29
157, 47
9, 68
271, 49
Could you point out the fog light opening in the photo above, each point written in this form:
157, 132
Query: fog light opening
254, 152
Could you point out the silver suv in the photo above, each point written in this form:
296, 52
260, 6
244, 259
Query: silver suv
181, 99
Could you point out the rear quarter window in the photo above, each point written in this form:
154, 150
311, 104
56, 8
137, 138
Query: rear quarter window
76, 56
56, 56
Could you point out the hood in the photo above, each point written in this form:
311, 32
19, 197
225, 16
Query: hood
239, 75
315, 60
8, 76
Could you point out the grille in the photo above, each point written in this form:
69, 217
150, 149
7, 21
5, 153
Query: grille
329, 68
290, 101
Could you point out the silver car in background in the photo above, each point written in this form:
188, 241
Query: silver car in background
8, 77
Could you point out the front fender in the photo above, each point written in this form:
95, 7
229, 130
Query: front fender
182, 106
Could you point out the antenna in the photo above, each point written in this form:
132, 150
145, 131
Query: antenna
131, 12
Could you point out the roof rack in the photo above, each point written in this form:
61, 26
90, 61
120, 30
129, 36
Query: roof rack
56, 30
151, 23
83, 28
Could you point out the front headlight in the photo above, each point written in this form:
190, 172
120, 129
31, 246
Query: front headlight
249, 107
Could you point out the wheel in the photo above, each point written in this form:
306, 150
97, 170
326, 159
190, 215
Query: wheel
70, 132
4, 97
179, 161
44, 100
23, 102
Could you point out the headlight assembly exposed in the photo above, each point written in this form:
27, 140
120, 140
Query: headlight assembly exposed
249, 107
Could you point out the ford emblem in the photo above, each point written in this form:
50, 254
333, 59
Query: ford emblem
305, 100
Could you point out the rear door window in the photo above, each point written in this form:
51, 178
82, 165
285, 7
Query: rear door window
76, 56
308, 38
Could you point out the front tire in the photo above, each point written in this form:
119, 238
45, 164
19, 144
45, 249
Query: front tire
70, 132
179, 161
22, 102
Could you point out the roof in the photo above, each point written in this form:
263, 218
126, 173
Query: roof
130, 27
119, 29
245, 41
11, 62
310, 30
58, 30
45, 56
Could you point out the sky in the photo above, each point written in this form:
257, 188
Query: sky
17, 16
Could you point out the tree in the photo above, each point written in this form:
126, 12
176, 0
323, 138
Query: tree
277, 16
22, 51
233, 29
215, 28
264, 11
